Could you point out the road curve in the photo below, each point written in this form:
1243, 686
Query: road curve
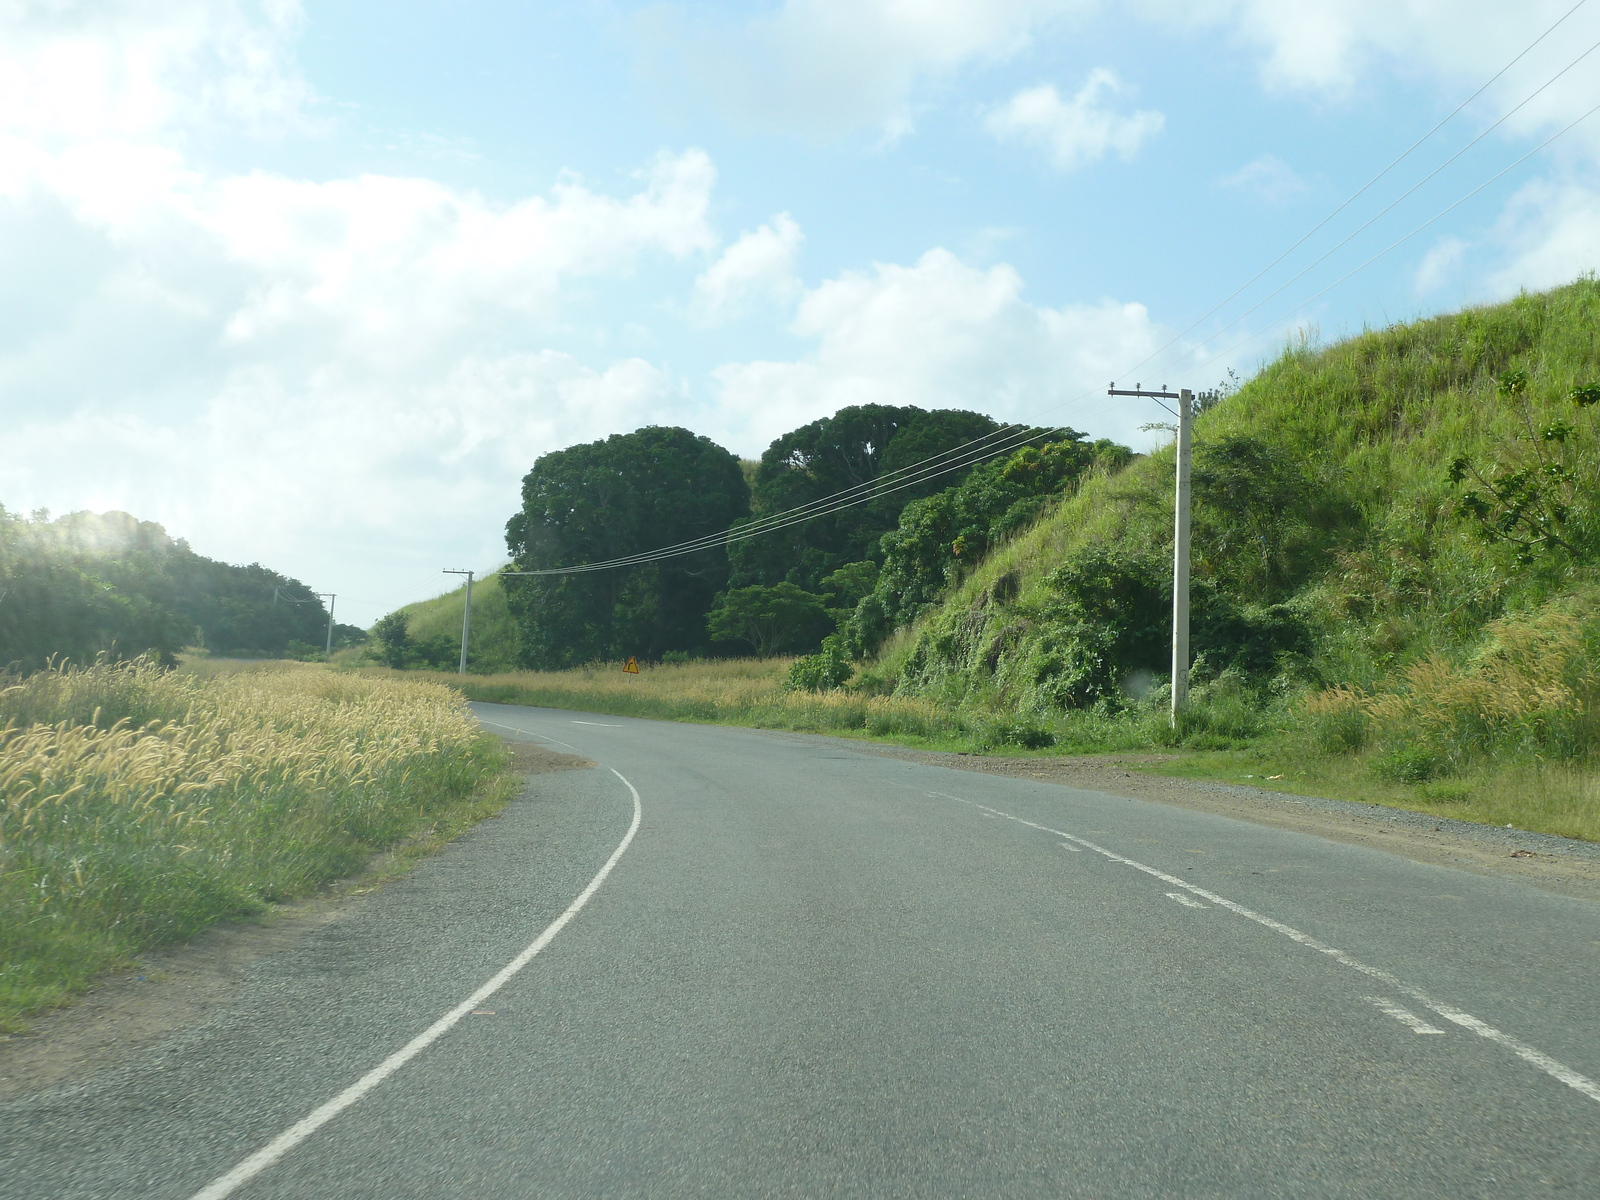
818, 972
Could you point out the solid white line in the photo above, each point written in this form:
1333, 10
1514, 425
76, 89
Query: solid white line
304, 1128
1186, 901
1404, 1015
1575, 1080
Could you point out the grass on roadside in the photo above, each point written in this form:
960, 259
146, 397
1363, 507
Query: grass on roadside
747, 692
1542, 798
141, 806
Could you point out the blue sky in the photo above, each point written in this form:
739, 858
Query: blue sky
315, 284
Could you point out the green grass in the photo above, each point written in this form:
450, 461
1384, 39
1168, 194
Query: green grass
1551, 798
494, 637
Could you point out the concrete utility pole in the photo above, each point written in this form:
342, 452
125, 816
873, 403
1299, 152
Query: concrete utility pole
331, 597
1180, 540
466, 617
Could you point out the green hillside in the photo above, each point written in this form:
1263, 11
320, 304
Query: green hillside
1395, 543
434, 629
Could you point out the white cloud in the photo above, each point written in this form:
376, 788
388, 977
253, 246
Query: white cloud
829, 66
1550, 233
349, 482
1076, 132
938, 334
760, 266
1440, 266
95, 69
329, 375
1268, 177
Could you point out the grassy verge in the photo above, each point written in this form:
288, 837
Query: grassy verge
1230, 735
142, 806
745, 692
1543, 798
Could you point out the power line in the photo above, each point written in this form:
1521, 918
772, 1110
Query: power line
1392, 204
974, 450
1358, 193
1399, 241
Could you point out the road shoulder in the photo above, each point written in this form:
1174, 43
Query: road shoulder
181, 986
1564, 866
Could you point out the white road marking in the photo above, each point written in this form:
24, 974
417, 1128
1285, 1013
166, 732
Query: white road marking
1186, 901
1070, 846
304, 1128
1404, 1015
530, 733
597, 724
1575, 1080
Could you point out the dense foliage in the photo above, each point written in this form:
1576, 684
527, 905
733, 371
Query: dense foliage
943, 536
850, 449
1381, 518
87, 584
625, 495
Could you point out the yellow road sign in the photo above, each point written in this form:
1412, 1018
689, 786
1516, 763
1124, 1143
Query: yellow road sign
631, 666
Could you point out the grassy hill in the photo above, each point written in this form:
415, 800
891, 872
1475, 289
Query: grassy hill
1343, 593
437, 623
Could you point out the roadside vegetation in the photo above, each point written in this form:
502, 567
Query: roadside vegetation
140, 805
1396, 584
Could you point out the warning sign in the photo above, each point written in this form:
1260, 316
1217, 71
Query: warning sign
631, 666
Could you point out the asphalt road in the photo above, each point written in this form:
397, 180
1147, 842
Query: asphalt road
816, 972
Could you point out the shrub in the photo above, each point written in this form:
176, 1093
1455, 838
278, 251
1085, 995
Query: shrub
1406, 764
823, 671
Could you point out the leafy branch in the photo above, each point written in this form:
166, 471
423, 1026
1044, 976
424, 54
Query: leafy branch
1525, 505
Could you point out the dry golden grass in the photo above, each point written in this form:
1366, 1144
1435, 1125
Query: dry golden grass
1529, 689
745, 691
138, 805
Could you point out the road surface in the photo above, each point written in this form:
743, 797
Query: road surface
731, 963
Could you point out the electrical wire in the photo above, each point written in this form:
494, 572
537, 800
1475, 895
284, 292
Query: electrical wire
1356, 195
999, 441
1390, 206
1400, 241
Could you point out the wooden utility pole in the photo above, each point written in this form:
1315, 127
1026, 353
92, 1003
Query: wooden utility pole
466, 617
1180, 540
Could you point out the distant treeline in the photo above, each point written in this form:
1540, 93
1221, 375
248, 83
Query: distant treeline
88, 584
854, 574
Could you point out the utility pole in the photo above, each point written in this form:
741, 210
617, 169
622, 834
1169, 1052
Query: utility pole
1180, 540
466, 616
331, 597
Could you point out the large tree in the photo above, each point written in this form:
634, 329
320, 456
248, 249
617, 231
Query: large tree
628, 494
859, 445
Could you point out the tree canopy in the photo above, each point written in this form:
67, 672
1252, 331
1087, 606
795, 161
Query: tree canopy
944, 535
855, 446
628, 494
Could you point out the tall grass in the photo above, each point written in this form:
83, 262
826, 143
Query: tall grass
747, 692
138, 806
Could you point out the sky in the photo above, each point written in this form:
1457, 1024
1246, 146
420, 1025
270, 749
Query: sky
314, 284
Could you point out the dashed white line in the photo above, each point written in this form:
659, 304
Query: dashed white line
1575, 1080
598, 724
1070, 846
1186, 901
529, 733
1404, 1015
304, 1128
